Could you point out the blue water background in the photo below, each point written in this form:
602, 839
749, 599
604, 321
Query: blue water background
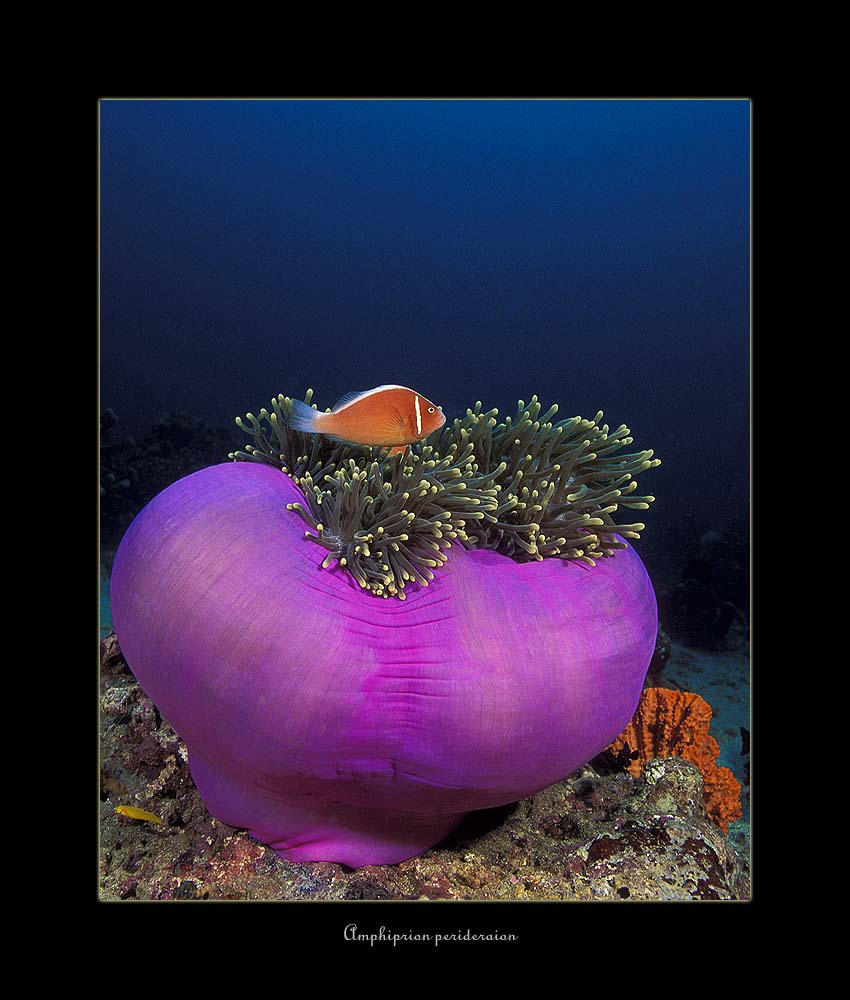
593, 252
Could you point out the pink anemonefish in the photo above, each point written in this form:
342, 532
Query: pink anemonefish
389, 416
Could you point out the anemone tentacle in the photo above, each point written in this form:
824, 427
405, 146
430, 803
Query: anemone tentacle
527, 488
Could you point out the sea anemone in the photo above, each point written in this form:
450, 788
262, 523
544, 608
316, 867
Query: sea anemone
526, 488
336, 726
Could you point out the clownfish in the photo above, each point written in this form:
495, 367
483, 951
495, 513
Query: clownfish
390, 416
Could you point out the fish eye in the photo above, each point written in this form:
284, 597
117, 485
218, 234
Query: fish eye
430, 409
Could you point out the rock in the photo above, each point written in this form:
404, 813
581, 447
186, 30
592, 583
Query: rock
597, 834
663, 652
108, 420
132, 473
711, 599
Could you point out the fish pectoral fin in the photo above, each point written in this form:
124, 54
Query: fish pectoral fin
390, 428
396, 420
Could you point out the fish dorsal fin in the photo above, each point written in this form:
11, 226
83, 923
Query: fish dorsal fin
347, 397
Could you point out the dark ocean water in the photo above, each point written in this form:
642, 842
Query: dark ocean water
593, 252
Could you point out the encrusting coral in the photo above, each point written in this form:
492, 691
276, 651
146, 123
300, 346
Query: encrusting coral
527, 488
675, 724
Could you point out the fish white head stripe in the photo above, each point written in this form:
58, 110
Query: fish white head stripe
418, 416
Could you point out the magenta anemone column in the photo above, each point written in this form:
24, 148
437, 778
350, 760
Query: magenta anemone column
337, 726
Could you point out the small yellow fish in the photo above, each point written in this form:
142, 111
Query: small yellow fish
135, 813
390, 416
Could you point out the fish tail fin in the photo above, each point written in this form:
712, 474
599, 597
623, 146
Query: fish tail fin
304, 418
